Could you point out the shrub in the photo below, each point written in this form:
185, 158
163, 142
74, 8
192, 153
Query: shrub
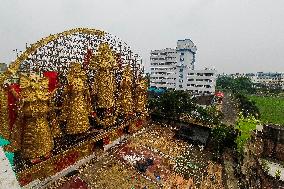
245, 125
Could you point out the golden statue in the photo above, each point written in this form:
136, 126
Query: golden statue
4, 118
77, 102
32, 134
125, 99
104, 63
4, 109
141, 96
104, 86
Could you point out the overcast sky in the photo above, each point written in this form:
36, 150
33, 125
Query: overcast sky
231, 35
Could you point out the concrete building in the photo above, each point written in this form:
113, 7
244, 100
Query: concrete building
174, 69
269, 79
201, 81
265, 79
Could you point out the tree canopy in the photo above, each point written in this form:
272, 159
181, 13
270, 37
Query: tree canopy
172, 104
236, 85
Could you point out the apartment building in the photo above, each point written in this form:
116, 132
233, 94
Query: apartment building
174, 69
269, 79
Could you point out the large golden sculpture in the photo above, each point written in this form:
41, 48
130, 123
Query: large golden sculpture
4, 118
77, 102
32, 134
125, 99
104, 86
104, 63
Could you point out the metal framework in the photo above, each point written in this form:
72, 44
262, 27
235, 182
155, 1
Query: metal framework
56, 52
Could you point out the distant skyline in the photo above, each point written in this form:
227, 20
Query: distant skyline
232, 36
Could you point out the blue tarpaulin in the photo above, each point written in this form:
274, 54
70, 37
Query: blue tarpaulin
156, 90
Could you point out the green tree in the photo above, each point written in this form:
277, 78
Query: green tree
246, 106
172, 104
237, 85
224, 83
243, 85
223, 136
209, 115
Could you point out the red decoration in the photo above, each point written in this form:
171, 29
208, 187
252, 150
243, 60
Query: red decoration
106, 140
12, 106
66, 161
52, 77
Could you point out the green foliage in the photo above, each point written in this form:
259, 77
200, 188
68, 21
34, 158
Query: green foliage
172, 104
180, 105
224, 83
277, 174
209, 115
247, 106
223, 136
271, 108
245, 127
240, 84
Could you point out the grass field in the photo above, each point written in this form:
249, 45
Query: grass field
271, 109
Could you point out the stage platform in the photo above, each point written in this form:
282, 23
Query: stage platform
71, 149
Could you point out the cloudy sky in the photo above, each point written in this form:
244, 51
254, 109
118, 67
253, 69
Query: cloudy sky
231, 35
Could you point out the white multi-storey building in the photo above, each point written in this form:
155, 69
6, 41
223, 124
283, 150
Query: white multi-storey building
201, 81
174, 69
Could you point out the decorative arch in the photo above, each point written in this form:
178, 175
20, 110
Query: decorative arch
55, 52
